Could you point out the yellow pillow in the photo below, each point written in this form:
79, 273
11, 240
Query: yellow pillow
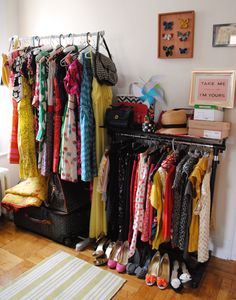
31, 187
16, 201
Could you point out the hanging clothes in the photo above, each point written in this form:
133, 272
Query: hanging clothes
68, 163
72, 83
196, 178
88, 147
203, 209
101, 100
26, 136
47, 152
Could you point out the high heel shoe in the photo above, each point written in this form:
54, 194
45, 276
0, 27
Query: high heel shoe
102, 260
164, 272
175, 282
185, 276
123, 257
153, 269
100, 248
112, 260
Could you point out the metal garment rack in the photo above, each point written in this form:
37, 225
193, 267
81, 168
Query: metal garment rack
218, 146
59, 37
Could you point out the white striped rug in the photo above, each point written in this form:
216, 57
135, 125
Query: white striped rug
63, 276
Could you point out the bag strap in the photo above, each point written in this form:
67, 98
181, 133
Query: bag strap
105, 44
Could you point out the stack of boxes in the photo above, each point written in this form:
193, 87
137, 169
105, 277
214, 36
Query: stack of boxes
208, 122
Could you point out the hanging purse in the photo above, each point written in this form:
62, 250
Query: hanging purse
104, 68
119, 116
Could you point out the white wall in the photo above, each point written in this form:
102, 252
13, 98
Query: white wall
131, 32
8, 27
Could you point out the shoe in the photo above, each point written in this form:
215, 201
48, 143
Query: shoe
123, 257
112, 260
164, 272
185, 276
153, 269
100, 247
102, 260
142, 271
175, 282
133, 263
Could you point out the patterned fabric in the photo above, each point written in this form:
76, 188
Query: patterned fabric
43, 90
72, 83
178, 187
26, 137
16, 66
139, 201
186, 213
133, 189
35, 101
47, 153
204, 211
69, 144
146, 229
88, 150
103, 173
57, 127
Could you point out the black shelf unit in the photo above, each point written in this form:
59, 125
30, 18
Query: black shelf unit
218, 146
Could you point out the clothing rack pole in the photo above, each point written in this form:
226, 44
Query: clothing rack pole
69, 35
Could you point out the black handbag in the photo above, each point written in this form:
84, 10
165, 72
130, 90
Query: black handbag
67, 196
104, 68
119, 116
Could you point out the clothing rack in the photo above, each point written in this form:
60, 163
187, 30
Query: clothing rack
59, 37
218, 146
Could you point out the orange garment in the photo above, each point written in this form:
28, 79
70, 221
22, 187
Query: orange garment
14, 152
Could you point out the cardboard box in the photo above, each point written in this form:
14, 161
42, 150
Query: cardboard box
208, 112
209, 125
210, 134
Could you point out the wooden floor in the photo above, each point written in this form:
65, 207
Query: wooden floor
20, 250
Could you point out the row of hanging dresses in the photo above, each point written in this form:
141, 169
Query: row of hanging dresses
157, 195
58, 112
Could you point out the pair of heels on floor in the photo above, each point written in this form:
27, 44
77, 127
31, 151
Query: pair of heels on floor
178, 279
114, 254
158, 271
138, 263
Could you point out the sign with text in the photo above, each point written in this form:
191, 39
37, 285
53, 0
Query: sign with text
213, 88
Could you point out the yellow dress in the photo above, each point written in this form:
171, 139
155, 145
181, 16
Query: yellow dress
102, 99
156, 202
26, 136
5, 70
196, 178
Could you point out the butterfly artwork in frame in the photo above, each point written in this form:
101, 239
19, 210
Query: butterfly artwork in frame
183, 36
184, 23
183, 50
168, 25
176, 34
167, 36
168, 50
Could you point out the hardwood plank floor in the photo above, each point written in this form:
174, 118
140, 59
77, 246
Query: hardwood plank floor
20, 250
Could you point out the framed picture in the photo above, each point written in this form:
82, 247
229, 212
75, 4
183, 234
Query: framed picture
213, 88
176, 34
224, 35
